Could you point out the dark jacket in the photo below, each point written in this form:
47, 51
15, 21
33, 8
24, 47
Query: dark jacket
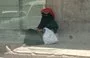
49, 22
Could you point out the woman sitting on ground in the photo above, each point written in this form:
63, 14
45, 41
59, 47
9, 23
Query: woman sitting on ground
48, 20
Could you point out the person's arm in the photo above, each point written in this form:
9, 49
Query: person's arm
42, 24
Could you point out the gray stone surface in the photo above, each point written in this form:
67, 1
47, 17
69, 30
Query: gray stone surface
43, 56
71, 14
11, 23
73, 17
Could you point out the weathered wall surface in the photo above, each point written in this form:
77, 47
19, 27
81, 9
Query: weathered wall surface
11, 23
72, 15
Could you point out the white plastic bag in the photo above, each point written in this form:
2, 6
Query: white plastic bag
49, 37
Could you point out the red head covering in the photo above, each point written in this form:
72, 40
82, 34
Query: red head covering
48, 10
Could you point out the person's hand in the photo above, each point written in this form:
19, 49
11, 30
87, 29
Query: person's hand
39, 29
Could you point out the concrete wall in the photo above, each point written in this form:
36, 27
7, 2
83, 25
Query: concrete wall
11, 23
72, 15
6, 25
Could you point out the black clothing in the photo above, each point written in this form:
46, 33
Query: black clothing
48, 21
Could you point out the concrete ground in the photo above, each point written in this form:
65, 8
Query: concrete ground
70, 41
